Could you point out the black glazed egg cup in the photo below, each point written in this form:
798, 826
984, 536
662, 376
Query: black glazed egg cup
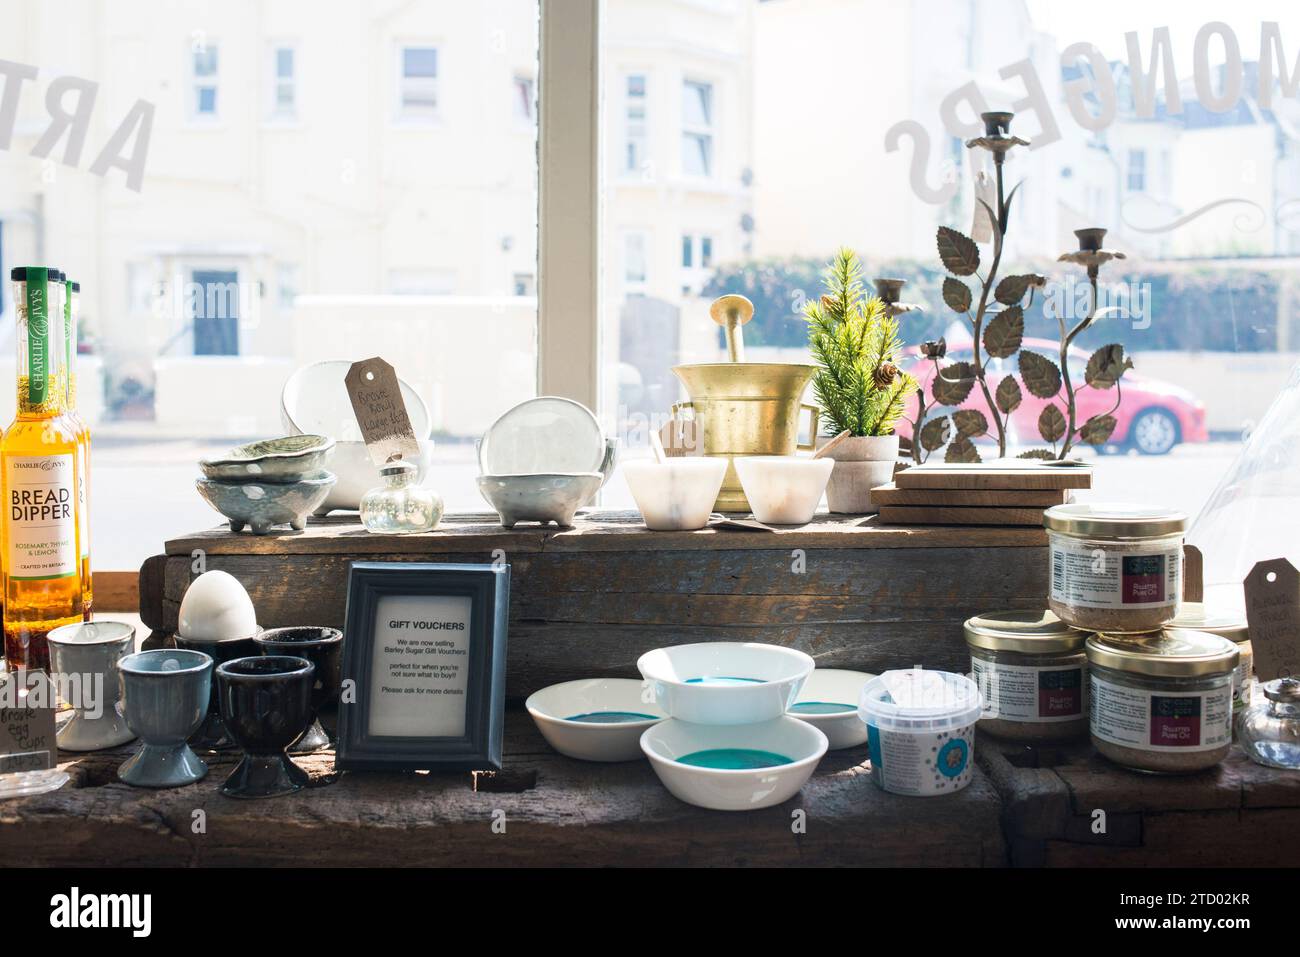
212, 734
323, 647
266, 704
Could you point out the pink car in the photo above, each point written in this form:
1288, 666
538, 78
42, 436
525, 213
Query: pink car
1153, 416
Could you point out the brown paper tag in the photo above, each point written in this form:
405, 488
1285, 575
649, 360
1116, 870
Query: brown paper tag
26, 725
681, 437
381, 413
1273, 616
1193, 574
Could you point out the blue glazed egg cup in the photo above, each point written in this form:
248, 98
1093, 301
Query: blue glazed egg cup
165, 694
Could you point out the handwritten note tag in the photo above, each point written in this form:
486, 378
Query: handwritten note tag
377, 402
1273, 615
26, 729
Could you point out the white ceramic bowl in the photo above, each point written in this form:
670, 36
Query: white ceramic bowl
783, 489
829, 701
593, 719
315, 400
734, 790
725, 682
538, 498
677, 494
355, 474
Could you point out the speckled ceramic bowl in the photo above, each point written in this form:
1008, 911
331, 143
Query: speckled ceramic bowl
552, 497
262, 505
289, 459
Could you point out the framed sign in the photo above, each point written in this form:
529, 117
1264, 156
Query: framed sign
424, 662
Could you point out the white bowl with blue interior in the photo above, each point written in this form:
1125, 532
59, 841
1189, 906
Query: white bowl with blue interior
595, 719
828, 701
724, 682
734, 767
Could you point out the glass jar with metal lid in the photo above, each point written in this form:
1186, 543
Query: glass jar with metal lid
1115, 568
1270, 728
1032, 670
1225, 624
1162, 701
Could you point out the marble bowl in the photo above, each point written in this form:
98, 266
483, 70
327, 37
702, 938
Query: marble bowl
289, 459
676, 495
829, 701
725, 682
595, 719
783, 489
261, 505
728, 779
356, 475
551, 497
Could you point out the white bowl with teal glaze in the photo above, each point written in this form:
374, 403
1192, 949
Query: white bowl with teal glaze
725, 682
734, 767
828, 701
595, 719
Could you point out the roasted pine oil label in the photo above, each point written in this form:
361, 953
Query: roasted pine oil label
40, 518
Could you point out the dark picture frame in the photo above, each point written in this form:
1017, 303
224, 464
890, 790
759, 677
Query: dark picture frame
479, 748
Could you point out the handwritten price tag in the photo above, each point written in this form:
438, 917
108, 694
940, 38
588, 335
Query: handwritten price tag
1273, 615
377, 403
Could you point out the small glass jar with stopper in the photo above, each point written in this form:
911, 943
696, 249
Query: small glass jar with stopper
1270, 729
400, 506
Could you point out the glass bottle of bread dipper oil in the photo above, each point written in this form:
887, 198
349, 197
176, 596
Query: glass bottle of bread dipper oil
38, 455
71, 316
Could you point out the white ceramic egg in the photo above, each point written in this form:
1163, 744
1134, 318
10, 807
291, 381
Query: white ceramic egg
216, 607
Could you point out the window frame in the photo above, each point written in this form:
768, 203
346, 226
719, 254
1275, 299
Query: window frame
402, 116
642, 170
274, 112
193, 114
694, 132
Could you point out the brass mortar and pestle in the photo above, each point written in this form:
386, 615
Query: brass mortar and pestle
745, 408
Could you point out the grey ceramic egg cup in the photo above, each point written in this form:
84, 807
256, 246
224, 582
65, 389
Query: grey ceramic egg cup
84, 659
166, 694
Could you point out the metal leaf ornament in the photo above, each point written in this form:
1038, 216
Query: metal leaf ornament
959, 254
1098, 429
953, 383
956, 294
1004, 333
935, 433
962, 449
1106, 366
1008, 395
1051, 424
970, 422
1041, 376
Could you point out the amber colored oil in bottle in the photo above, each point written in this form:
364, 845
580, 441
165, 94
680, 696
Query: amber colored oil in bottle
71, 315
38, 453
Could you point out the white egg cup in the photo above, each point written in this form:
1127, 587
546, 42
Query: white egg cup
725, 683
678, 494
555, 709
833, 687
734, 789
783, 489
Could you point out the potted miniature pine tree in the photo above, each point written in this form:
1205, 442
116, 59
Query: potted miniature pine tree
854, 341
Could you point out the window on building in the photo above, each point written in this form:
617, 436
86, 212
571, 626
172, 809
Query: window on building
418, 93
204, 64
525, 284
1136, 181
286, 285
284, 81
525, 99
697, 251
697, 128
635, 254
636, 147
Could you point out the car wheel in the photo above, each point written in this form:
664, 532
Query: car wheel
1154, 432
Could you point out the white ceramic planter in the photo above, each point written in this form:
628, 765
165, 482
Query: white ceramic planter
666, 743
678, 494
725, 682
862, 462
829, 702
783, 489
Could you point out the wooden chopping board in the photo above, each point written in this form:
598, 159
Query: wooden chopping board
1000, 476
958, 515
1041, 498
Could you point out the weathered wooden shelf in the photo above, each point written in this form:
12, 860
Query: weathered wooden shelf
1239, 814
577, 813
590, 600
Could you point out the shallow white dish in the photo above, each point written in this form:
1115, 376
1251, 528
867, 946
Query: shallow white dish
783, 489
829, 701
725, 682
356, 475
677, 494
734, 789
543, 435
315, 400
593, 719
